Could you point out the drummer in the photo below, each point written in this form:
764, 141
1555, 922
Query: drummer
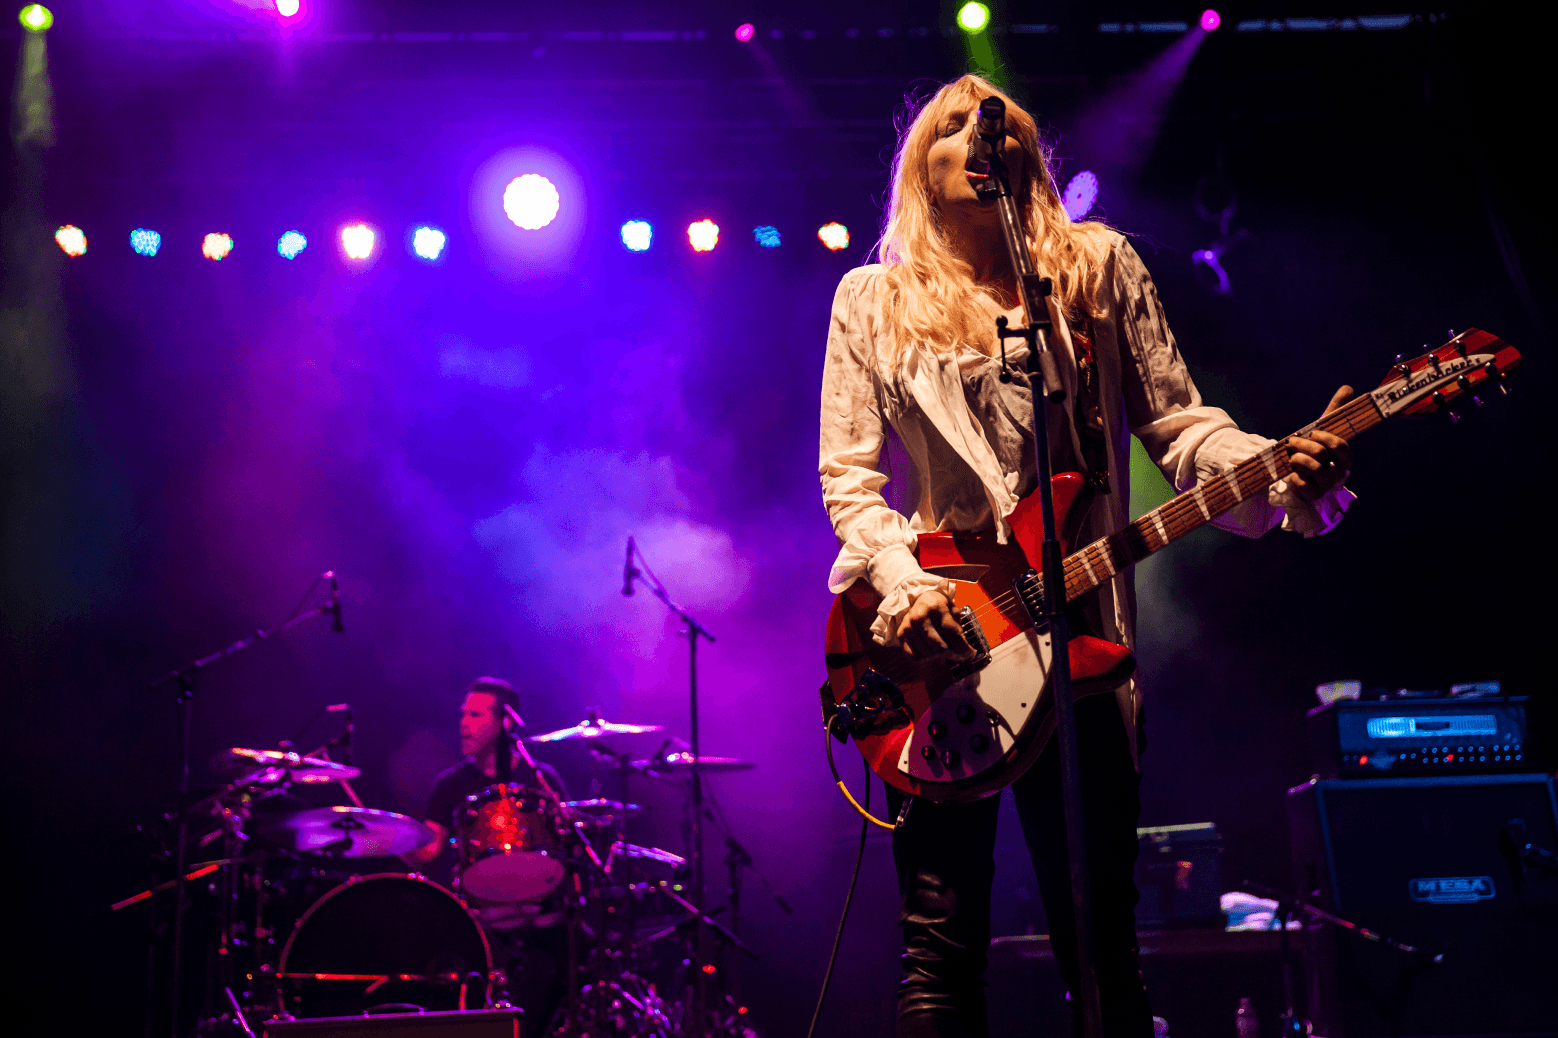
481, 722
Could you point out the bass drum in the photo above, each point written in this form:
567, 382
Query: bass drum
384, 940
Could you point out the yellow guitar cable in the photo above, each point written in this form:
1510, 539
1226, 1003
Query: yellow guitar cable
827, 741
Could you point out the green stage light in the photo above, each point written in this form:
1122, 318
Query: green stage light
973, 17
36, 18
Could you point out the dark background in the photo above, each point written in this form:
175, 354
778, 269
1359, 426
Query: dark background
187, 444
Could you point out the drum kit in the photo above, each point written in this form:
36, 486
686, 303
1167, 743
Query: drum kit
302, 926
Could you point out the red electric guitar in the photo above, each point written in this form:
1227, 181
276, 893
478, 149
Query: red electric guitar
954, 731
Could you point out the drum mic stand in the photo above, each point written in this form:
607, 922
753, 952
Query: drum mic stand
694, 631
182, 679
985, 161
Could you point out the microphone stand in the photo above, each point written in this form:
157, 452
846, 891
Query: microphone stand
1034, 292
182, 679
694, 631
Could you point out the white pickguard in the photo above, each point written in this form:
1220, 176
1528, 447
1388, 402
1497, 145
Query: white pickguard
1008, 689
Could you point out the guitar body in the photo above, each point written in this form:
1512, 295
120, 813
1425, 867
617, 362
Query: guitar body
957, 737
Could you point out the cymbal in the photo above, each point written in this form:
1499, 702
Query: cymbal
276, 765
593, 727
347, 832
602, 806
674, 763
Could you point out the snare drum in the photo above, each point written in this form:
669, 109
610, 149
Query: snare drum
510, 844
384, 939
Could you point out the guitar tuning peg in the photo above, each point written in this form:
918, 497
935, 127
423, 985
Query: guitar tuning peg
1454, 418
1452, 333
1503, 387
1476, 400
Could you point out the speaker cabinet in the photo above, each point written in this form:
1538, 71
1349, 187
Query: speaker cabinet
1430, 862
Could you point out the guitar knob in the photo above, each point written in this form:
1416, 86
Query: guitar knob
978, 743
950, 758
937, 729
965, 713
928, 752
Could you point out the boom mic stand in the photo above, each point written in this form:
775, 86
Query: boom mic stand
182, 679
1034, 292
694, 631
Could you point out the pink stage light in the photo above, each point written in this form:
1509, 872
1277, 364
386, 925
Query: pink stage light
703, 235
215, 246
745, 31
531, 201
1210, 19
288, 8
72, 240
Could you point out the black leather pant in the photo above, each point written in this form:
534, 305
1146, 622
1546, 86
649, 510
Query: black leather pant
945, 860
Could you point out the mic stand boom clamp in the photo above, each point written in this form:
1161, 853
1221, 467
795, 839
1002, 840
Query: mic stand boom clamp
1034, 291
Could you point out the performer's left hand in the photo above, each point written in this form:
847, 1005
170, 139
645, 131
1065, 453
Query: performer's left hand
1322, 460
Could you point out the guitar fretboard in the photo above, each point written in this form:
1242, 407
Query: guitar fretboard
1101, 560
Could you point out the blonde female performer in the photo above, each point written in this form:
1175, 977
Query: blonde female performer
912, 346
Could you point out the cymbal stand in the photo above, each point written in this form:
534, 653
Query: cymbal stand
182, 679
694, 631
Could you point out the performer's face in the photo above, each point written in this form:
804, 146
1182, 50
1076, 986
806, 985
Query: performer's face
479, 723
950, 186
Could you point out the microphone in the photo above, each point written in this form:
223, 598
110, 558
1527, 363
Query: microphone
335, 603
628, 571
989, 131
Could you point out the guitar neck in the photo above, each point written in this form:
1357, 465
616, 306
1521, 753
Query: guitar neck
1101, 560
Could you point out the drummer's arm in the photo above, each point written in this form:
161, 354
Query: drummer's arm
429, 850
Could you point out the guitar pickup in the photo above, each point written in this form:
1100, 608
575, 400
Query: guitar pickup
975, 635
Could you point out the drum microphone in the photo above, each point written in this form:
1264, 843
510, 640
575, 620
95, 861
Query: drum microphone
628, 571
335, 601
989, 132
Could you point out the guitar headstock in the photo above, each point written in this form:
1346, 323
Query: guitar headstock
1469, 365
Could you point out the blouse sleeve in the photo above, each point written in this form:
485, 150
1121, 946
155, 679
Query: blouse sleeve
875, 540
1188, 440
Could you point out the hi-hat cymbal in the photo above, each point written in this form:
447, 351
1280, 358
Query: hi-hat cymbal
276, 765
681, 763
593, 727
347, 832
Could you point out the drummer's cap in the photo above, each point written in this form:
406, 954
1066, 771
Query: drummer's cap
499, 688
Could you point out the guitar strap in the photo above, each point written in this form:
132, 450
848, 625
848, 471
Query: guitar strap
1086, 411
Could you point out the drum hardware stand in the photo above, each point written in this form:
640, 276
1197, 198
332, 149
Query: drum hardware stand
985, 156
694, 631
181, 679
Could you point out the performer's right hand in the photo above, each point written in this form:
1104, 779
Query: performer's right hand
929, 629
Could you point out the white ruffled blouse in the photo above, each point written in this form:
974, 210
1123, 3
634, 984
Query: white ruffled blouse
969, 477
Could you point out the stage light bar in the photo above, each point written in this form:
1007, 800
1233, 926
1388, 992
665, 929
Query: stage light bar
973, 17
1210, 19
637, 235
72, 240
703, 235
216, 246
36, 18
834, 235
766, 236
428, 242
288, 8
745, 31
1080, 195
290, 244
357, 241
531, 201
145, 242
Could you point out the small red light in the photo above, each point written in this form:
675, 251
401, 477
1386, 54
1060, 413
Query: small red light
1363, 759
741, 1011
709, 968
1448, 757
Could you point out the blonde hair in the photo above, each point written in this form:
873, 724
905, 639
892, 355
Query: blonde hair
930, 295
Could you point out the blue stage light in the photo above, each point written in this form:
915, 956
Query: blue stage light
766, 236
428, 242
1081, 194
637, 235
291, 244
145, 242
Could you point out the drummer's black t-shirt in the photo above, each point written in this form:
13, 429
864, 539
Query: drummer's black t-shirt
466, 779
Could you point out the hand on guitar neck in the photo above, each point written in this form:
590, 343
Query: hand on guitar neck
1322, 460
